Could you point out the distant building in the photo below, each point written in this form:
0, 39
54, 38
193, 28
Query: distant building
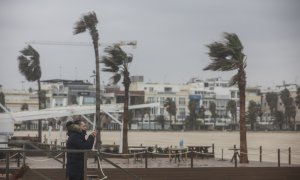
280, 106
62, 92
14, 99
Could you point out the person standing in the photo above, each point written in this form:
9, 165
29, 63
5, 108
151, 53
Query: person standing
76, 140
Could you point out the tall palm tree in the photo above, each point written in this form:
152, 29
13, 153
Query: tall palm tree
170, 106
161, 120
272, 99
117, 62
293, 114
202, 113
231, 107
227, 56
297, 98
279, 118
89, 22
212, 109
252, 113
29, 66
193, 115
287, 100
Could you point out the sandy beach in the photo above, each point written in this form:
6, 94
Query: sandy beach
270, 141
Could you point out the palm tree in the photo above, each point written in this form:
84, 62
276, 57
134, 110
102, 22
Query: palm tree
161, 120
117, 62
89, 22
29, 66
192, 108
231, 106
293, 114
170, 106
227, 56
287, 100
24, 107
252, 113
279, 119
272, 99
212, 109
297, 101
202, 113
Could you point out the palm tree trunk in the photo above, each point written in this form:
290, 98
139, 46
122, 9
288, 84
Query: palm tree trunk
98, 119
170, 121
40, 107
243, 136
125, 115
142, 121
232, 121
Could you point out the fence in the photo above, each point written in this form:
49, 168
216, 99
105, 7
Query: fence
62, 153
149, 152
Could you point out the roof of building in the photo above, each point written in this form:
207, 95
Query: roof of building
67, 82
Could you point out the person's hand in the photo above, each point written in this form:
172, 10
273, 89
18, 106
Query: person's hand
94, 133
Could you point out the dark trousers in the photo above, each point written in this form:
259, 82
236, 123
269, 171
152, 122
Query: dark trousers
75, 177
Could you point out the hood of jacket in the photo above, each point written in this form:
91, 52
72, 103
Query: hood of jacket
74, 128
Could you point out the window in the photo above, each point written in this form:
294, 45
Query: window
89, 100
161, 111
205, 104
151, 89
181, 101
168, 89
162, 100
182, 111
232, 94
150, 99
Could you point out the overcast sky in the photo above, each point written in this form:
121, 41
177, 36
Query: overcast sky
171, 37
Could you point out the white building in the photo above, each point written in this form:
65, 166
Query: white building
280, 106
157, 92
14, 99
203, 91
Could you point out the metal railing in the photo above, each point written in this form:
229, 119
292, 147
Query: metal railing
62, 152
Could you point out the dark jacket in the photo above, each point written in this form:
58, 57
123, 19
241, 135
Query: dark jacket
76, 140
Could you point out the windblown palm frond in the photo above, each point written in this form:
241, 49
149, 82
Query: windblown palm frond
88, 21
116, 78
29, 64
116, 61
110, 64
116, 54
227, 55
79, 27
